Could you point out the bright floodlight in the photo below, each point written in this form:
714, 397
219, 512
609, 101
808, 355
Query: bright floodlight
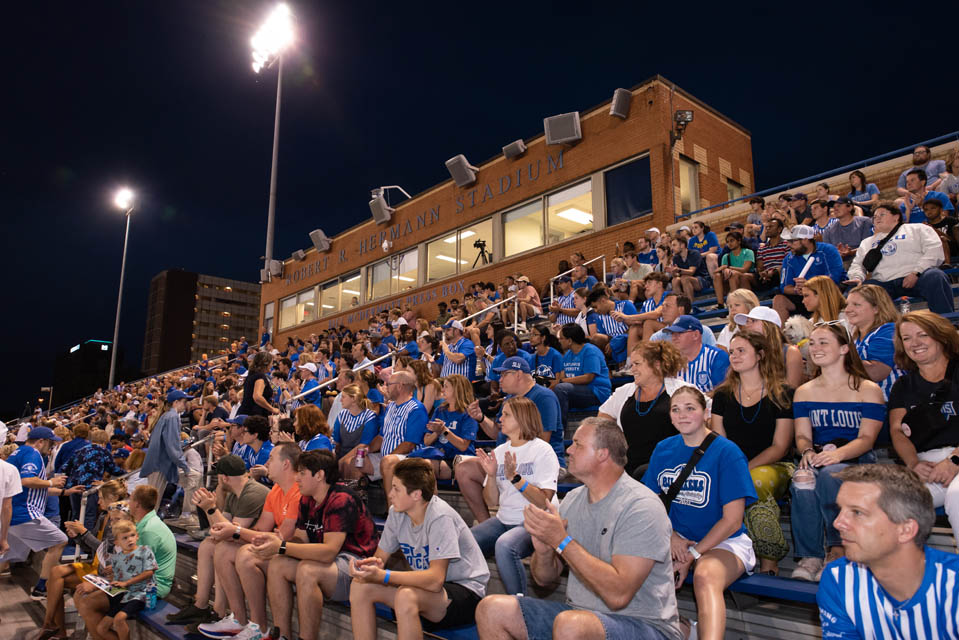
123, 199
274, 36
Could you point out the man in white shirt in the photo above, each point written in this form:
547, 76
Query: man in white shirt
910, 260
9, 487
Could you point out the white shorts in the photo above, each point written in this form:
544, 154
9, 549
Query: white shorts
741, 546
375, 459
35, 535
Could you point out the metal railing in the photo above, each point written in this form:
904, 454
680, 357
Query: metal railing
566, 273
515, 300
326, 383
861, 164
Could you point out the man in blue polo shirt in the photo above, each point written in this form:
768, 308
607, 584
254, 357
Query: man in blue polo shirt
581, 278
915, 195
29, 529
645, 251
706, 366
825, 261
459, 353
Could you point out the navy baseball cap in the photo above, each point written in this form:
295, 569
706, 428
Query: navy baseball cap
564, 279
43, 433
516, 363
684, 324
845, 200
175, 395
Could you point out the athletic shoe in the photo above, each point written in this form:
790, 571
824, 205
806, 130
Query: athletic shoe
192, 613
198, 534
249, 632
809, 569
228, 627
38, 595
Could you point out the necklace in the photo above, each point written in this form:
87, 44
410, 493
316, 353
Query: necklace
652, 404
759, 405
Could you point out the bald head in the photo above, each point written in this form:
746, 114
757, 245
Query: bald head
402, 384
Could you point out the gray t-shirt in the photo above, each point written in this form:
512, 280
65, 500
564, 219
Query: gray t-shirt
629, 521
852, 235
949, 185
443, 535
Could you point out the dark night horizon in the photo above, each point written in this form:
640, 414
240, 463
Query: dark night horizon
161, 97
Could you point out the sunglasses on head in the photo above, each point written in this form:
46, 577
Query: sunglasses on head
826, 323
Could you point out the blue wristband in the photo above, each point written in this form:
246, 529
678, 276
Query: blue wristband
562, 545
523, 488
386, 578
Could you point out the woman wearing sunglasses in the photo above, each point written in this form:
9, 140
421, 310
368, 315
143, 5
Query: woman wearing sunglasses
873, 318
922, 405
837, 415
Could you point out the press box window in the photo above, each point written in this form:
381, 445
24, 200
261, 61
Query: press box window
628, 192
268, 317
350, 290
569, 212
523, 228
392, 275
287, 312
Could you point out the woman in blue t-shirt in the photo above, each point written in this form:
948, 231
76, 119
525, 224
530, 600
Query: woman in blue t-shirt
312, 430
707, 514
706, 243
864, 194
838, 415
547, 361
452, 431
872, 316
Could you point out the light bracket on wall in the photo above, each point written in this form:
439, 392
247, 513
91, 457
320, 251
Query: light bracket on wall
379, 207
681, 118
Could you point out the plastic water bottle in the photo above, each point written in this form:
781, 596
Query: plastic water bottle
904, 307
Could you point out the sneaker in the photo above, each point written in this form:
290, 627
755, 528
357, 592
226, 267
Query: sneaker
809, 569
192, 613
228, 627
38, 595
198, 534
249, 632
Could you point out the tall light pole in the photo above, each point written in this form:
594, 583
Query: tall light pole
269, 43
123, 201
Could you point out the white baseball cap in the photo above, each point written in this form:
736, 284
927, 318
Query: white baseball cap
309, 366
799, 232
759, 313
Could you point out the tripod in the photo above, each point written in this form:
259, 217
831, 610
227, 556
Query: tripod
484, 255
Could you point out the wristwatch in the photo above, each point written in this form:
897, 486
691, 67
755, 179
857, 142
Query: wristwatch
236, 533
954, 459
282, 549
211, 511
516, 478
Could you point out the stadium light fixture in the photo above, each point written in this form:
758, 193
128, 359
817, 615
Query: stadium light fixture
681, 118
124, 199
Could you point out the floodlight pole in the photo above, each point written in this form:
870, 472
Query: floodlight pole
116, 326
271, 213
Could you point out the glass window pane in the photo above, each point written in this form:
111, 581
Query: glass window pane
570, 212
405, 276
628, 192
379, 281
350, 290
523, 228
688, 184
734, 190
473, 240
288, 312
441, 257
329, 298
268, 317
306, 306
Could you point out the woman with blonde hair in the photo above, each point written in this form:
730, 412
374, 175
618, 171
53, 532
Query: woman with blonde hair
134, 463
873, 317
504, 535
766, 322
823, 299
737, 301
355, 428
311, 428
452, 431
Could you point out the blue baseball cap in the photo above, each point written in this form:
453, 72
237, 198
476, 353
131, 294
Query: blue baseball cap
516, 363
239, 420
43, 433
684, 324
564, 279
176, 394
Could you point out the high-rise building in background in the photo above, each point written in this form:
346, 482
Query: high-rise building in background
189, 314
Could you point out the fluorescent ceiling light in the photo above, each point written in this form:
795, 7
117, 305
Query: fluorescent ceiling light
328, 306
449, 259
576, 215
351, 292
356, 277
465, 234
405, 279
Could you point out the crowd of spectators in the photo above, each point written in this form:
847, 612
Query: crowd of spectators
694, 444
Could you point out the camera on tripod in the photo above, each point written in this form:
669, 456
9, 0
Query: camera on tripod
479, 244
484, 256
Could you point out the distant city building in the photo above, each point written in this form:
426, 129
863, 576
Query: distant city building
189, 314
81, 370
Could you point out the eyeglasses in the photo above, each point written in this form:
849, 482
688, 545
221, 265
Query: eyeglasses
826, 323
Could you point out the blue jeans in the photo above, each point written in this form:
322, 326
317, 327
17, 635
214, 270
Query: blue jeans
510, 543
539, 615
933, 286
814, 510
575, 396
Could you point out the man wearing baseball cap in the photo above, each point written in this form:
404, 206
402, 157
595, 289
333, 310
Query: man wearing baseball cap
563, 309
849, 231
706, 366
806, 259
308, 376
459, 352
164, 454
29, 529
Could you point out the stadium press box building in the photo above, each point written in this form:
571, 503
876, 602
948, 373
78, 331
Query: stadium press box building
529, 211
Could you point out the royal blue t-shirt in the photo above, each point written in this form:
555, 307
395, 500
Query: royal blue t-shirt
588, 283
462, 425
346, 421
647, 257
864, 196
918, 216
837, 420
310, 398
320, 441
411, 349
826, 262
589, 360
878, 346
547, 366
709, 241
720, 476
492, 376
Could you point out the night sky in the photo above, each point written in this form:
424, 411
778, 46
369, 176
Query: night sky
161, 96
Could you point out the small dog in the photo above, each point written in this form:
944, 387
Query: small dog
797, 330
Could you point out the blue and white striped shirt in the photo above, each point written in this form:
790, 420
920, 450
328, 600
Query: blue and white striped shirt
878, 346
403, 423
346, 421
465, 368
605, 323
651, 304
29, 504
566, 302
852, 603
707, 370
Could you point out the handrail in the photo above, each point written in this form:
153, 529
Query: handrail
566, 273
486, 310
861, 164
327, 383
